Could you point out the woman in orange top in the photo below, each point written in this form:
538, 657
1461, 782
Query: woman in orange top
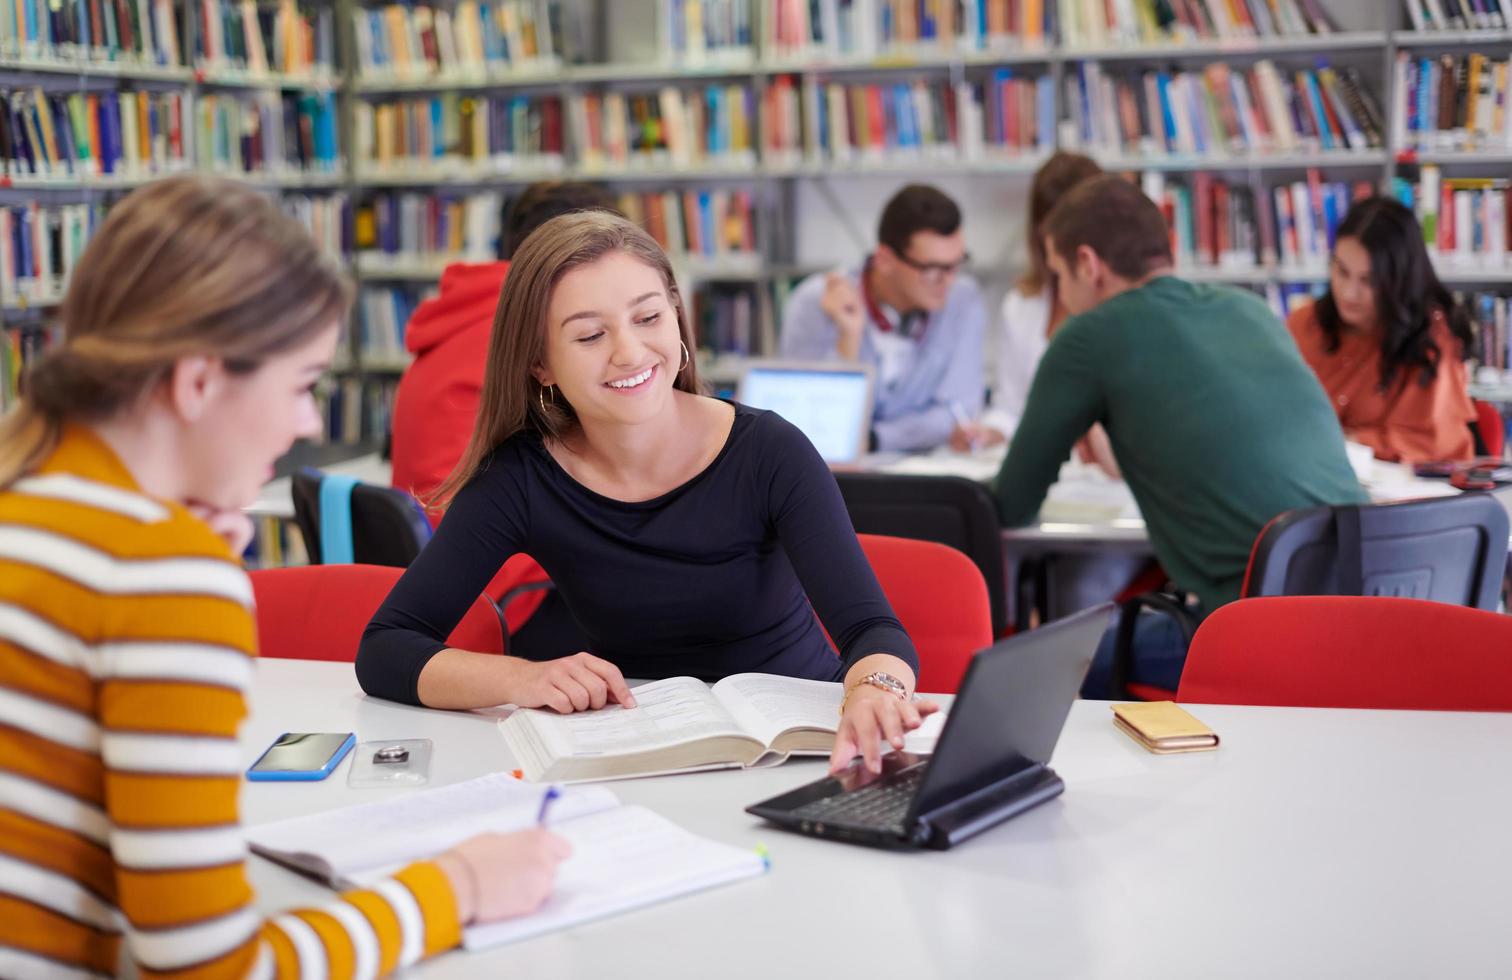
1388, 341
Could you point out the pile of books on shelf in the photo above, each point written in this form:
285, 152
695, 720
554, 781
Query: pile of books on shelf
1096, 24
39, 245
356, 410
712, 127
324, 216
714, 226
1453, 102
262, 133
1465, 220
1219, 225
725, 319
1007, 115
382, 314
706, 32
108, 133
124, 32
1459, 15
429, 228
876, 123
1221, 111
1492, 336
862, 30
470, 40
241, 36
447, 134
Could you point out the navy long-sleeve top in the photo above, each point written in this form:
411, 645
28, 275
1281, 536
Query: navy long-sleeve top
721, 575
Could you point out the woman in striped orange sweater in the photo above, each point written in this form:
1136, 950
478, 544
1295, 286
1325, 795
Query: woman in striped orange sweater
194, 329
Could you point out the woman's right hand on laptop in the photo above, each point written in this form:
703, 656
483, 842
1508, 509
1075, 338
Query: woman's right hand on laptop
499, 876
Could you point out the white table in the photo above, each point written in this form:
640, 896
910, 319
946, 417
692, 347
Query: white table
1311, 844
277, 500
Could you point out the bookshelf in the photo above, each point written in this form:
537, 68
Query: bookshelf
812, 200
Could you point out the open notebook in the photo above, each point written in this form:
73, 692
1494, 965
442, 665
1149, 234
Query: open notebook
682, 724
623, 857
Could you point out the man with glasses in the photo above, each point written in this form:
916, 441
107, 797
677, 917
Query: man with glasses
910, 313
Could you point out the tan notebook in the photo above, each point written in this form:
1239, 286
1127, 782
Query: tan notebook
1163, 727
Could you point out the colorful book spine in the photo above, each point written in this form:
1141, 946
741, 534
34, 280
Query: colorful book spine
452, 132
470, 39
1453, 102
1100, 24
1220, 111
81, 135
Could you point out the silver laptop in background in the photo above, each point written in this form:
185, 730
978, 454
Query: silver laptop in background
831, 403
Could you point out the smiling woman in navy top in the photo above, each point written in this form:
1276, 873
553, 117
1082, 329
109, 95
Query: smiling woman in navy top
688, 535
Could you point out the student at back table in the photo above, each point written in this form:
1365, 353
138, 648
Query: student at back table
688, 535
1217, 423
195, 328
1389, 342
909, 313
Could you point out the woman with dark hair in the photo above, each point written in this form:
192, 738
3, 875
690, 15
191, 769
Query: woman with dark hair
1388, 341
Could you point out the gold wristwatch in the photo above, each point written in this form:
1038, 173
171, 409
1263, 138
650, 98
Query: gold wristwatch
878, 679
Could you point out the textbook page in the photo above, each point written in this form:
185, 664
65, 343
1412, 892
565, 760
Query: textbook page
667, 712
338, 844
766, 705
621, 859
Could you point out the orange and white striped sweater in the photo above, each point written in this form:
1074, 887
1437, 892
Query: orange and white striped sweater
126, 648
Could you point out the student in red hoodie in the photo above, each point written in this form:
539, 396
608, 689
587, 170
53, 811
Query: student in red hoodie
437, 400
448, 336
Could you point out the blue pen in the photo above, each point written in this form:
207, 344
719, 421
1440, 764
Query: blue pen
552, 793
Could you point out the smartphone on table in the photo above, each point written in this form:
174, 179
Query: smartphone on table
304, 756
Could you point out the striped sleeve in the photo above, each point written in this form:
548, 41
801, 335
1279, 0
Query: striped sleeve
172, 677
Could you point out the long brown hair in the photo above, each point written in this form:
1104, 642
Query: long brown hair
183, 267
1052, 180
513, 400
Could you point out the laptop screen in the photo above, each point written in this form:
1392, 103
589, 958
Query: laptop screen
831, 405
1011, 706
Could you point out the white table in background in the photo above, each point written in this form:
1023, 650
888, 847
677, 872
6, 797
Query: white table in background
1313, 843
277, 497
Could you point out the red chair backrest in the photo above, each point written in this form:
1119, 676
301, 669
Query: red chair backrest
940, 597
1488, 422
1351, 652
318, 612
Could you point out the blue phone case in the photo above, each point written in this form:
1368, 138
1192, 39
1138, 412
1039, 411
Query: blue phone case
296, 775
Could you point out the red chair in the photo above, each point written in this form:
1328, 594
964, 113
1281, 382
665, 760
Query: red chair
940, 597
318, 612
1351, 652
1488, 423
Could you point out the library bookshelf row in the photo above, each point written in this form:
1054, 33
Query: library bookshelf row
692, 99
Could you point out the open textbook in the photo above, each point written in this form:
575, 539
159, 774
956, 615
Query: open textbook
682, 724
623, 857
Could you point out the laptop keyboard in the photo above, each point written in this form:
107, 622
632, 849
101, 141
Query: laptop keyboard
882, 805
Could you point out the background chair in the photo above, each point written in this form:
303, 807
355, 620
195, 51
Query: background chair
1490, 428
949, 510
1445, 549
940, 598
318, 612
1351, 652
388, 525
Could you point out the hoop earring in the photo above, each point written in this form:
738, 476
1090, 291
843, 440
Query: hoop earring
687, 358
541, 397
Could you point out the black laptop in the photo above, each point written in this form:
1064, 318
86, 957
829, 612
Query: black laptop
991, 760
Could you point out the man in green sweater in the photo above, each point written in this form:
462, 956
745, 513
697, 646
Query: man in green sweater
1217, 423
